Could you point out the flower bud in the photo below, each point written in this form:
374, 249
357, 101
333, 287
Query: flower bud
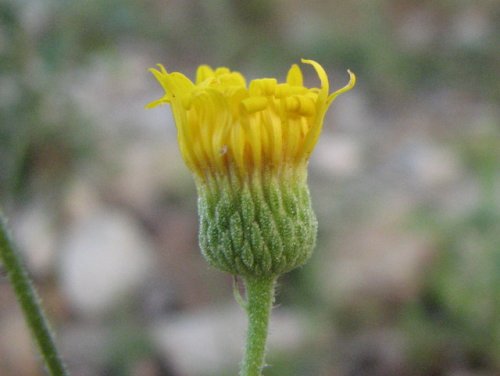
248, 149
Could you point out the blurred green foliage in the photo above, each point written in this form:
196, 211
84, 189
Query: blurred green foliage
44, 135
457, 317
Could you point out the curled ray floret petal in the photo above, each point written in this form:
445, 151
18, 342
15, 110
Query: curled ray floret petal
226, 126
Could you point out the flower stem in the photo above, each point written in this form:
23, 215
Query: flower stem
260, 298
30, 304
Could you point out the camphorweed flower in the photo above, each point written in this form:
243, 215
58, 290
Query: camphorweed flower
248, 147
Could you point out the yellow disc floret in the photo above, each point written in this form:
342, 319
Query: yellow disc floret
225, 126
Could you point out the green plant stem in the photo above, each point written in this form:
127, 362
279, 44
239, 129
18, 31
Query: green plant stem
30, 304
260, 298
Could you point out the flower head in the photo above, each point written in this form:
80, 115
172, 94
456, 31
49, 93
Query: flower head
226, 125
248, 147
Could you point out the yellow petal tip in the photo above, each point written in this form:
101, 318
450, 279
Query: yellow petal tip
346, 88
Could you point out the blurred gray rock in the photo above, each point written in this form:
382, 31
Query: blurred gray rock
337, 156
104, 258
471, 27
144, 173
211, 341
34, 233
431, 166
373, 262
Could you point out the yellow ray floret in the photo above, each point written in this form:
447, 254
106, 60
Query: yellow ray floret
224, 125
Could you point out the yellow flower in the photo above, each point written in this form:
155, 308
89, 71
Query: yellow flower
225, 126
248, 148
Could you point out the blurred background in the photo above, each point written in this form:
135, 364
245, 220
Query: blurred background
405, 181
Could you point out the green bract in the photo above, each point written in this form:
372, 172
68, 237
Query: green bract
262, 227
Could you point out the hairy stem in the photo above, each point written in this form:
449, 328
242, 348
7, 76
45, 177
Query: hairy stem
260, 297
30, 304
